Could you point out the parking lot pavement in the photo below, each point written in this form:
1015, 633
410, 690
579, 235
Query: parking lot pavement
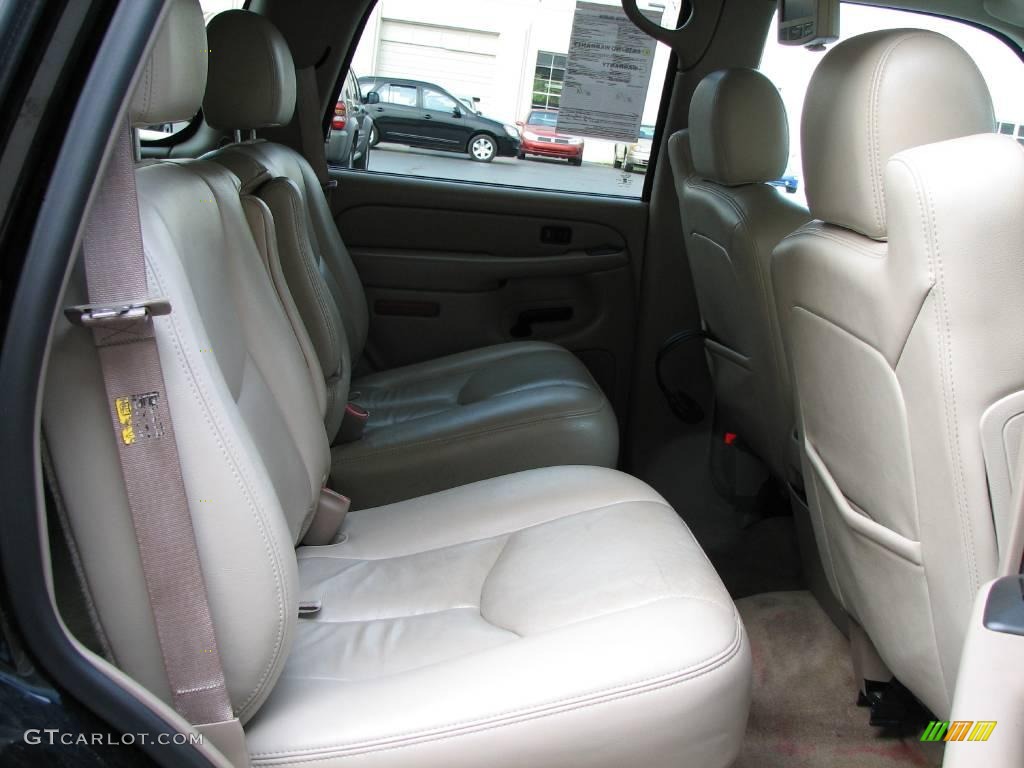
531, 172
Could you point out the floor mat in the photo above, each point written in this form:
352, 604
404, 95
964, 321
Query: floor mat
803, 713
757, 558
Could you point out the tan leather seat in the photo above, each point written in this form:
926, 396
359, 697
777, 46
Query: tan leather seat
434, 425
738, 139
557, 616
560, 616
900, 309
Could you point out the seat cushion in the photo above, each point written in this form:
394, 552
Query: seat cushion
561, 616
471, 416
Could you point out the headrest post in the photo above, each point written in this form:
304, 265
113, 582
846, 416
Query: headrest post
252, 134
238, 136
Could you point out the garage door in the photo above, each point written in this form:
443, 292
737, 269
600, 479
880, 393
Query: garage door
460, 60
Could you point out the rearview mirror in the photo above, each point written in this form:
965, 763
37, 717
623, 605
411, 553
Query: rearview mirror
372, 98
456, 112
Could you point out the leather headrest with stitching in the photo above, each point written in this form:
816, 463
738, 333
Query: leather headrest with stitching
875, 95
739, 133
252, 76
172, 83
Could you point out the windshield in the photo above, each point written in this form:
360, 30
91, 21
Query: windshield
646, 131
549, 119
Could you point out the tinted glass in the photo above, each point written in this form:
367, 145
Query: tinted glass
506, 65
437, 101
402, 95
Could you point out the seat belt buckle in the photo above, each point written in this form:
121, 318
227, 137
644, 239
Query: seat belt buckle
96, 315
353, 424
331, 509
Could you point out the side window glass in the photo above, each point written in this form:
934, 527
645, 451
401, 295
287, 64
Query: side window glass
548, 94
437, 102
400, 95
791, 68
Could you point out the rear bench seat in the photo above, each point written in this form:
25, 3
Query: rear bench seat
559, 616
434, 425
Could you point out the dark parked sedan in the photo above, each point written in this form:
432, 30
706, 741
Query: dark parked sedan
425, 115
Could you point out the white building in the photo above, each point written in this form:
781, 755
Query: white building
510, 54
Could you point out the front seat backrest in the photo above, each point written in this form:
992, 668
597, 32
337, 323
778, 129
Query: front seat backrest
738, 139
900, 310
252, 85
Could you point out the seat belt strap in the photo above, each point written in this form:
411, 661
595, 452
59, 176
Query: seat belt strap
120, 315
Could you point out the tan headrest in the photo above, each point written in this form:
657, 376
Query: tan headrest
172, 83
873, 96
252, 76
739, 133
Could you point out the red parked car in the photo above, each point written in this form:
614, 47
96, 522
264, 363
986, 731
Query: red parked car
539, 137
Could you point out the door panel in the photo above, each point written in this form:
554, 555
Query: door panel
451, 266
455, 271
397, 115
989, 687
446, 130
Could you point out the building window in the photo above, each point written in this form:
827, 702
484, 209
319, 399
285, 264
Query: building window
548, 79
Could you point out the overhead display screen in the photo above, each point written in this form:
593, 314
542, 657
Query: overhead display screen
797, 9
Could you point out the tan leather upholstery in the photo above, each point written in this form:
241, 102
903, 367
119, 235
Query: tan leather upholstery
864, 105
731, 222
313, 270
471, 416
739, 133
171, 85
989, 682
251, 441
560, 615
556, 617
258, 89
899, 347
441, 423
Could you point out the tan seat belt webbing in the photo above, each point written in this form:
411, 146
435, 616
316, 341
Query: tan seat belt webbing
120, 316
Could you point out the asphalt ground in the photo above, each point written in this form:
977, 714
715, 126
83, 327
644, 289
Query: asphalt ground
539, 172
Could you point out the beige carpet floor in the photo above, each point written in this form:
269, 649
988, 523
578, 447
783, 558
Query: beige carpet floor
804, 712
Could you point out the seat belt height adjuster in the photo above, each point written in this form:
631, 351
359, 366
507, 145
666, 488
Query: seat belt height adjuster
92, 315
